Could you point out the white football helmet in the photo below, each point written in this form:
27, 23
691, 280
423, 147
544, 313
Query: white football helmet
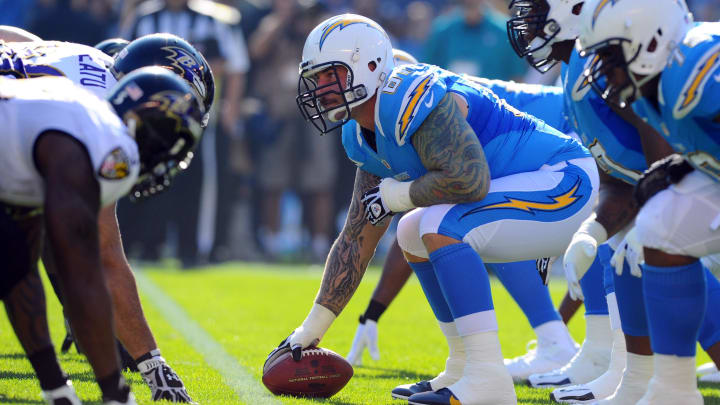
355, 43
403, 58
536, 25
638, 36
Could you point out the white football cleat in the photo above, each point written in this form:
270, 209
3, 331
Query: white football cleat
710, 378
63, 395
589, 363
601, 387
707, 368
673, 382
540, 359
366, 336
634, 382
130, 401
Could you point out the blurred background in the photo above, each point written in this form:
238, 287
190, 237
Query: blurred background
264, 186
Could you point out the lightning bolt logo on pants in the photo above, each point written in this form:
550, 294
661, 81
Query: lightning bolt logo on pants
558, 202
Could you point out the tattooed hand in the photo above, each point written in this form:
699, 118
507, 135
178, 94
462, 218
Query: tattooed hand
451, 152
352, 251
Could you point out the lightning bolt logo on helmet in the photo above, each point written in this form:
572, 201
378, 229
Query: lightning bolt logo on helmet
183, 61
340, 24
601, 5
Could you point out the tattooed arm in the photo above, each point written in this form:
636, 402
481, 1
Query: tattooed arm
352, 250
616, 205
449, 149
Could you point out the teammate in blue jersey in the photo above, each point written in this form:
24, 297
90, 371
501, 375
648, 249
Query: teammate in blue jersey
555, 346
481, 180
543, 32
652, 52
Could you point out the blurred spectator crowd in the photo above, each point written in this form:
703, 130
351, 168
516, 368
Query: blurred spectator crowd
264, 184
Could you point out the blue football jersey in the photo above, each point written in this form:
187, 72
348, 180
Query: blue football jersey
688, 113
613, 142
513, 141
543, 102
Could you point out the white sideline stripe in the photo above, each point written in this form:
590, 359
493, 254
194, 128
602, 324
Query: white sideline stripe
236, 376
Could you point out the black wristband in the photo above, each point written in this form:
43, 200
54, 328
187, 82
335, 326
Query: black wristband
373, 312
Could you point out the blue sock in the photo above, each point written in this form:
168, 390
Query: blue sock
523, 282
675, 301
710, 328
429, 283
630, 298
463, 279
593, 288
608, 279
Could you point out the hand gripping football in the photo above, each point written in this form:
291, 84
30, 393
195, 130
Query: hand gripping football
320, 373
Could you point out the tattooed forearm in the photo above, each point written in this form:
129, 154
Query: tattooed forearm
351, 252
449, 149
616, 205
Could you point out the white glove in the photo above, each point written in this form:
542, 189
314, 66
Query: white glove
631, 250
308, 334
581, 253
365, 336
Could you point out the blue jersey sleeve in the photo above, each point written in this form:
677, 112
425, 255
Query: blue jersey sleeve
408, 96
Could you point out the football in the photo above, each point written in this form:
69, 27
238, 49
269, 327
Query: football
321, 373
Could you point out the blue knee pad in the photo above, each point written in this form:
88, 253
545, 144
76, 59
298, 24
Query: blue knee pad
429, 283
710, 328
463, 279
630, 298
604, 257
593, 289
675, 301
522, 281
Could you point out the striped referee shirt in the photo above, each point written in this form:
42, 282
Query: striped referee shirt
203, 23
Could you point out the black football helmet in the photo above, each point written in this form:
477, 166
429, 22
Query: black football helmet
170, 52
163, 115
112, 46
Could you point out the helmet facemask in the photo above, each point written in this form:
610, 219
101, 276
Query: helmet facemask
537, 25
309, 99
162, 156
609, 72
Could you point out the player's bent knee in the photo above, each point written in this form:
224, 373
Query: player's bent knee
408, 234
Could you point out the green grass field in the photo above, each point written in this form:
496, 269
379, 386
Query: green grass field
216, 326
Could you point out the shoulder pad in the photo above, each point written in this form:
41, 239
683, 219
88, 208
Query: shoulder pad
697, 78
408, 96
351, 140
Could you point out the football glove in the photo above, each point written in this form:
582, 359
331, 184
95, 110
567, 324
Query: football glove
631, 250
581, 253
543, 267
366, 336
661, 174
375, 209
306, 335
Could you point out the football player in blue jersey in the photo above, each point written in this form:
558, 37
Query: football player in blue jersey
618, 149
483, 182
555, 346
651, 54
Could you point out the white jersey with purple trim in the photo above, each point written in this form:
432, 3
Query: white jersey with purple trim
30, 107
83, 65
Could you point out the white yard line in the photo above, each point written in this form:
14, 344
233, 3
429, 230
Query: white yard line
236, 376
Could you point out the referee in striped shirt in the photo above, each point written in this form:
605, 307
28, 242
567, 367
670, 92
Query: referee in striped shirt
190, 206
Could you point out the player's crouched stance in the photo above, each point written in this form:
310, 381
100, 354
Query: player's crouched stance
66, 154
492, 183
667, 66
